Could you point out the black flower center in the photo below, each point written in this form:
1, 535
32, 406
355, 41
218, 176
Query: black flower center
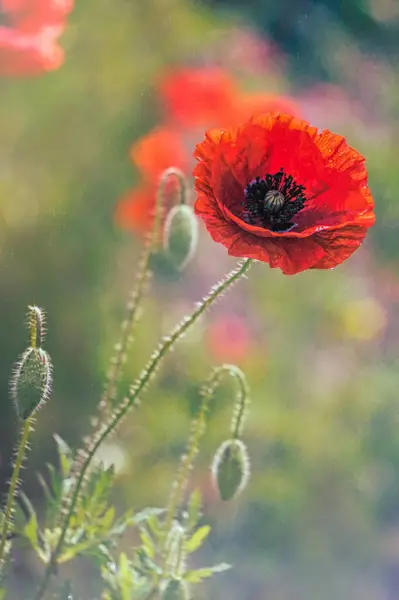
273, 201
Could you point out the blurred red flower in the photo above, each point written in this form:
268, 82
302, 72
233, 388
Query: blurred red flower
192, 99
228, 338
277, 190
29, 32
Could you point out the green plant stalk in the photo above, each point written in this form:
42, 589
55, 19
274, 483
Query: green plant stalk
186, 463
136, 296
36, 326
198, 429
131, 399
7, 523
242, 401
33, 329
140, 287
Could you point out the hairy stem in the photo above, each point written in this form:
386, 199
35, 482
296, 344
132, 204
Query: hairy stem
139, 288
7, 517
132, 399
121, 349
198, 429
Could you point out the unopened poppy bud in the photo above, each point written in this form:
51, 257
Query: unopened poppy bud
176, 590
230, 468
181, 235
31, 381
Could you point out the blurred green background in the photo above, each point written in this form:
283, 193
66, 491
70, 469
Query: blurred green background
320, 518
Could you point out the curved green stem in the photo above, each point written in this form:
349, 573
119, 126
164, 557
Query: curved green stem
132, 399
242, 401
198, 429
7, 517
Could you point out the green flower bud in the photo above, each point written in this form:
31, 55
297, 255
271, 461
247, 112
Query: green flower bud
230, 468
181, 235
31, 381
176, 590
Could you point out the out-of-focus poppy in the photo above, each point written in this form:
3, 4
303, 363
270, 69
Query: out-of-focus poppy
29, 33
192, 99
209, 96
153, 153
277, 190
228, 338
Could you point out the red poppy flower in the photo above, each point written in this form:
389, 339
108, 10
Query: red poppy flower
210, 97
277, 190
198, 96
192, 99
153, 154
228, 338
29, 35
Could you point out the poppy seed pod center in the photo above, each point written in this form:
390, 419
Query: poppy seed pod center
273, 201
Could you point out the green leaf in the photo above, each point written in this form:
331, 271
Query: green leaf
194, 509
125, 577
147, 542
145, 514
130, 520
108, 518
76, 550
144, 565
65, 455
2, 593
197, 538
155, 526
198, 575
124, 565
31, 528
45, 488
30, 531
55, 481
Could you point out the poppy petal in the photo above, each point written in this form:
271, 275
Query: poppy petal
134, 210
290, 255
24, 54
195, 97
160, 149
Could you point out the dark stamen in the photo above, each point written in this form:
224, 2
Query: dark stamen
273, 201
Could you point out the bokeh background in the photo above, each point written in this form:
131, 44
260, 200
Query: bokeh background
320, 517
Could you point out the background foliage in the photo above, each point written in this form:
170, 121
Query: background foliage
320, 516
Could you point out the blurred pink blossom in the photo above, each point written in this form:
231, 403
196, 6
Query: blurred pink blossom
228, 338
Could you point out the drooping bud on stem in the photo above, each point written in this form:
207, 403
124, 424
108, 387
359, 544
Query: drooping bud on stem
162, 195
231, 468
180, 235
198, 429
180, 232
